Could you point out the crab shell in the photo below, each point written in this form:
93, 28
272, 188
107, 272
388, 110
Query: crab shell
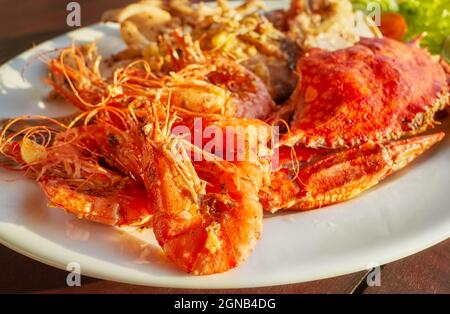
378, 90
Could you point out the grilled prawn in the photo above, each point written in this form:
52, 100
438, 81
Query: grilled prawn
68, 167
194, 80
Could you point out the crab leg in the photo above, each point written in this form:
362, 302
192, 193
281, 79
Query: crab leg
340, 176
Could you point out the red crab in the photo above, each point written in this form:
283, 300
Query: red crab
350, 111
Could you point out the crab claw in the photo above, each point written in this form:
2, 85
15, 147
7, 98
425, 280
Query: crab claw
340, 176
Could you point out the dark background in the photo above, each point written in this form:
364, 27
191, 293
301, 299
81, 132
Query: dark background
27, 22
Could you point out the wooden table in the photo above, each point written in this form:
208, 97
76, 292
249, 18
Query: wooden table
25, 22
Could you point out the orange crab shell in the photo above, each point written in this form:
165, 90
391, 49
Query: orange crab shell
328, 178
379, 90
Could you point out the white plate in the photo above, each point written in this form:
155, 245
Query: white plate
403, 215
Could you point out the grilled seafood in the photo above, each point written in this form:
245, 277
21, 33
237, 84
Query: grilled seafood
325, 178
242, 32
267, 44
207, 214
208, 82
121, 162
237, 30
68, 169
174, 131
366, 92
360, 97
197, 81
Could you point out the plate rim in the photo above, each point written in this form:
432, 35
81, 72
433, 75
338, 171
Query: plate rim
185, 283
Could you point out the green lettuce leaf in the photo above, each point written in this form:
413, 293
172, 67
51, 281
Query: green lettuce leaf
431, 16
